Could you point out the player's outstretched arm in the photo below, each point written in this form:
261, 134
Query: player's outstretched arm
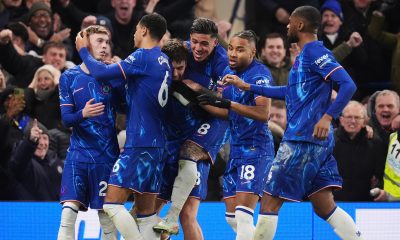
100, 70
259, 112
277, 92
215, 105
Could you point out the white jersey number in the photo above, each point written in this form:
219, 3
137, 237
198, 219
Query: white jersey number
163, 93
203, 130
103, 188
247, 172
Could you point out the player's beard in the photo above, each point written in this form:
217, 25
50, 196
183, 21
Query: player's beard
293, 39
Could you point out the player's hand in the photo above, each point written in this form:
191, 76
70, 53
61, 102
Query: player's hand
213, 100
321, 129
35, 132
81, 40
396, 123
370, 131
234, 80
92, 109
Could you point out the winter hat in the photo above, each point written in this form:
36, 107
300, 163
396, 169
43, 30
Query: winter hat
38, 6
334, 6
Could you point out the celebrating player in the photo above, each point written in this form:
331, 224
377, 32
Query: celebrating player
88, 106
252, 149
205, 65
138, 168
304, 165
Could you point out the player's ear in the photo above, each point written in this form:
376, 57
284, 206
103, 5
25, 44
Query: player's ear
300, 26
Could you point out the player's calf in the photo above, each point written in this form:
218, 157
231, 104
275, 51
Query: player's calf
68, 219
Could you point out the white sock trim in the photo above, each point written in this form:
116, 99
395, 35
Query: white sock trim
69, 214
344, 225
231, 220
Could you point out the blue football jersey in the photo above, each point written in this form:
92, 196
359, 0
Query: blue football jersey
94, 138
308, 94
206, 73
180, 120
148, 76
248, 136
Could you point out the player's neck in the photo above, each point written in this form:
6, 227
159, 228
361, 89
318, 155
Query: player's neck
149, 43
84, 68
306, 38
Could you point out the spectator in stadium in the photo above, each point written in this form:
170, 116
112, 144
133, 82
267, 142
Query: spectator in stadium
383, 109
42, 97
24, 67
3, 80
273, 54
391, 182
123, 19
277, 113
389, 40
272, 16
13, 111
38, 170
20, 36
10, 10
357, 156
277, 121
40, 26
376, 69
348, 49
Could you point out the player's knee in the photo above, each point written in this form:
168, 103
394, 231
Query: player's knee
187, 218
112, 209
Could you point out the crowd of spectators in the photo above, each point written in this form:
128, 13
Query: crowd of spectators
36, 46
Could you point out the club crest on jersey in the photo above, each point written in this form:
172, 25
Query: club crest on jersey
162, 59
105, 89
130, 59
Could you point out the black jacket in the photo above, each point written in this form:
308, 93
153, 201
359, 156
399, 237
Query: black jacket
41, 177
357, 163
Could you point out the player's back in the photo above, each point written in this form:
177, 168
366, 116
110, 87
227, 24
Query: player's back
94, 138
148, 77
246, 132
308, 94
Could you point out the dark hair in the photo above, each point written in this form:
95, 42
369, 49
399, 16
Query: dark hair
249, 35
156, 24
18, 30
274, 35
58, 45
312, 17
204, 26
175, 50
